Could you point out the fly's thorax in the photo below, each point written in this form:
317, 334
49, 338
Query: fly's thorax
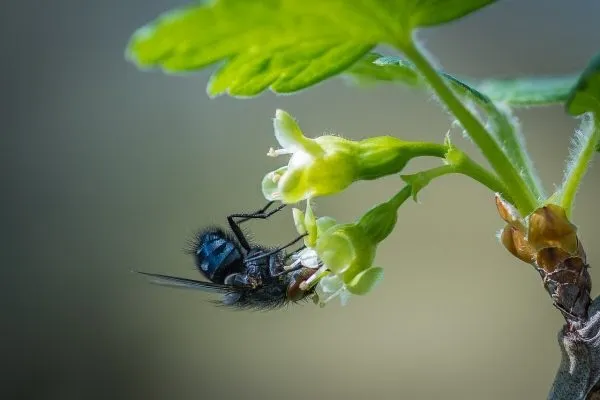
261, 261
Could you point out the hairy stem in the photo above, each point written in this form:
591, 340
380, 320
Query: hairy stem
505, 131
515, 185
584, 147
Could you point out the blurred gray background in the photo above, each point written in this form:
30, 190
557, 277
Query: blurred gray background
106, 168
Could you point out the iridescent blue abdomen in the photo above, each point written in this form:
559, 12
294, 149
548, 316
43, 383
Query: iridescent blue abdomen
217, 255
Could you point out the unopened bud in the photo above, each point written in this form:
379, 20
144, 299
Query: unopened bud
549, 227
514, 240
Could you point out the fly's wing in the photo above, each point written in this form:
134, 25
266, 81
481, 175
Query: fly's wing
183, 283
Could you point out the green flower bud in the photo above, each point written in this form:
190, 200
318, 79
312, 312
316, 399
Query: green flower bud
380, 220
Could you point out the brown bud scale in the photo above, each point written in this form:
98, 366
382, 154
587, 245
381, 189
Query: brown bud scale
547, 240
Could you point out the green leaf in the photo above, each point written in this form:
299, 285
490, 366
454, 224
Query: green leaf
516, 92
531, 91
585, 96
434, 12
368, 70
284, 45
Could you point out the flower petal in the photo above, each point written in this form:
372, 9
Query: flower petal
270, 184
330, 284
292, 186
290, 136
298, 215
308, 258
336, 249
344, 297
324, 223
365, 281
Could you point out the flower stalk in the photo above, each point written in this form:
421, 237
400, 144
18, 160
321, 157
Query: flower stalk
457, 162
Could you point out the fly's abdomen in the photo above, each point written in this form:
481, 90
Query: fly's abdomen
217, 256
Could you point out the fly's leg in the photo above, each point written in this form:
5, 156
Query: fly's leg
277, 250
259, 214
235, 220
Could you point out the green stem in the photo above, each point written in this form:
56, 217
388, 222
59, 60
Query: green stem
515, 186
581, 156
505, 131
463, 164
429, 149
399, 198
508, 135
458, 163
